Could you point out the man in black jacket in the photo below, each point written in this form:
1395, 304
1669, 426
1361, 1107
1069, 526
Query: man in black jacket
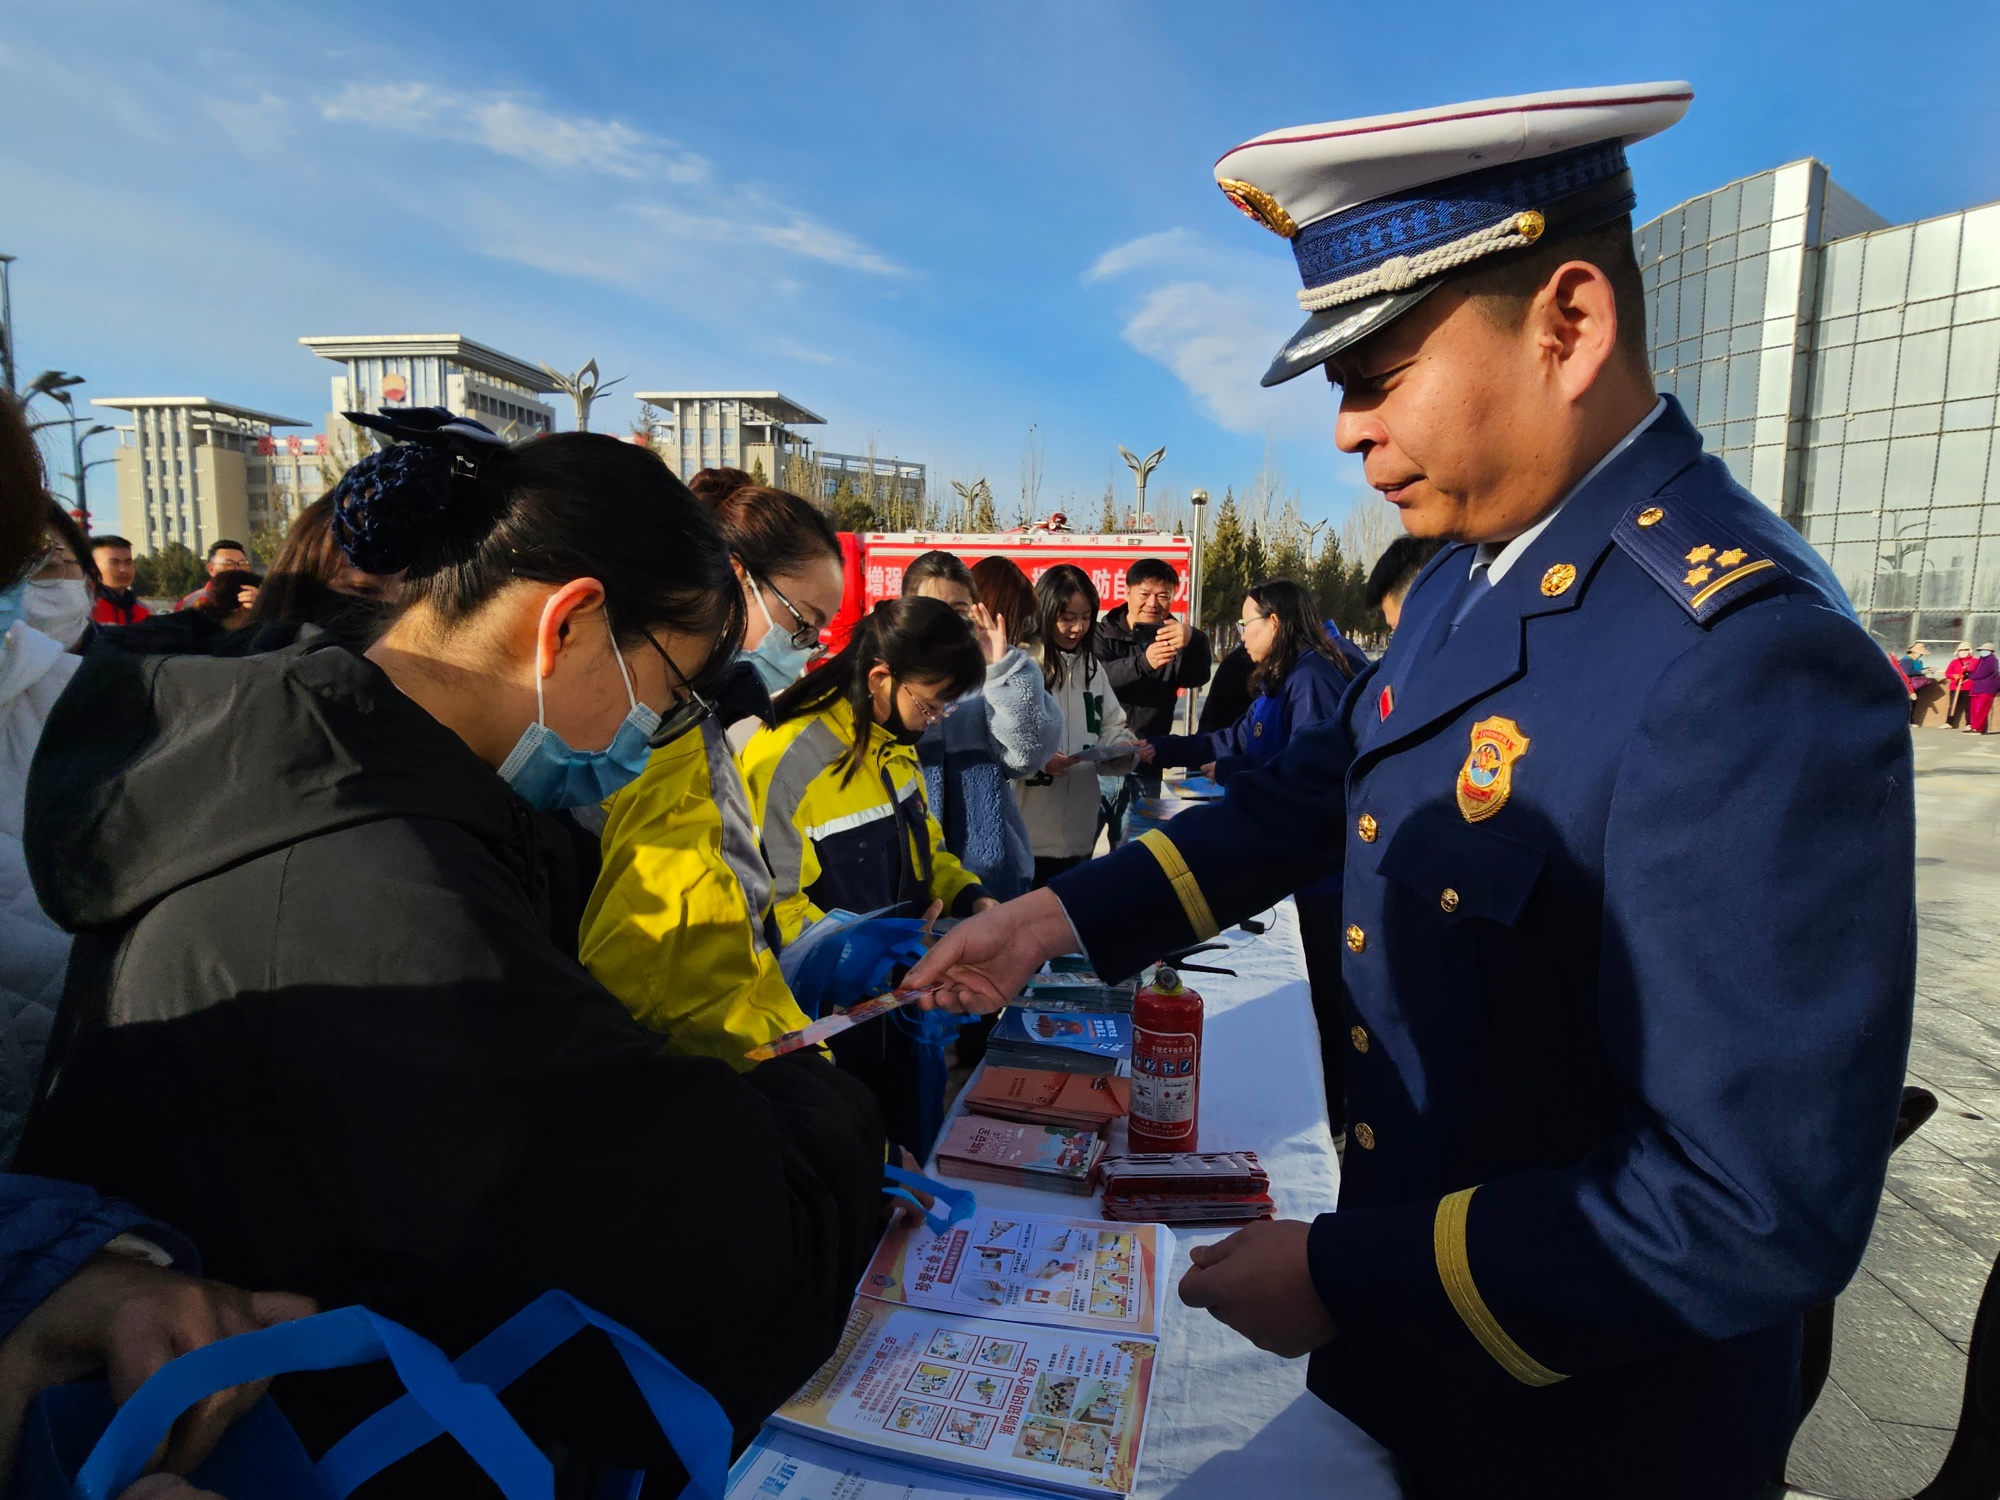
1148, 654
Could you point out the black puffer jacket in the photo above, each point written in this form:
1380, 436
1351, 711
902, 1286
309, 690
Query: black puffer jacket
316, 1020
1147, 692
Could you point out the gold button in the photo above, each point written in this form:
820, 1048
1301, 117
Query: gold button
1652, 515
1448, 899
1359, 1037
1367, 828
1356, 939
1364, 1137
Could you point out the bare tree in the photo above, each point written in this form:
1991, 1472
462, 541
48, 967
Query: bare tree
1031, 475
1370, 526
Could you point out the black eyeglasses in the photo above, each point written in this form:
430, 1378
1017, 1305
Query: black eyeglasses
807, 633
686, 713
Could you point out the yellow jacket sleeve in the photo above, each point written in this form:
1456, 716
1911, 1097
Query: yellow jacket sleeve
783, 771
675, 924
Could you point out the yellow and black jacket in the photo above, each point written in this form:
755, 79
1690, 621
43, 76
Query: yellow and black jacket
862, 840
677, 925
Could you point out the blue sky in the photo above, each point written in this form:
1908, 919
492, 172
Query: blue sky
938, 226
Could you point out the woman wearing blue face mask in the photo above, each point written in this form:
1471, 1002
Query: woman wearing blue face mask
323, 1009
679, 924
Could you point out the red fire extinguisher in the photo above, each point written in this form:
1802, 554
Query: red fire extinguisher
1166, 1064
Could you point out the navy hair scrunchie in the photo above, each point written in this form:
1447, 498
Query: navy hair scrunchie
393, 502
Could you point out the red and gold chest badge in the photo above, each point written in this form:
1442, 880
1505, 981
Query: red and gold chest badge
1487, 777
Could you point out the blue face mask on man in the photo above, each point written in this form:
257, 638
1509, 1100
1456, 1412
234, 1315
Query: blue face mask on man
776, 659
549, 776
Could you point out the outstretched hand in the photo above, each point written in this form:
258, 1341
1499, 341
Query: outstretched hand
981, 964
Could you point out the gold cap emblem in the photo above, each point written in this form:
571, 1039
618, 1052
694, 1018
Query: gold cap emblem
1652, 515
1259, 205
1529, 226
1558, 579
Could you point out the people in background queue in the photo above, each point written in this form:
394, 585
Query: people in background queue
1298, 681
838, 800
224, 556
1003, 731
1150, 657
1982, 684
679, 924
1957, 701
1060, 803
941, 576
117, 602
1394, 571
329, 1025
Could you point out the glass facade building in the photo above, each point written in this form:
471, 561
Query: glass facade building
1846, 370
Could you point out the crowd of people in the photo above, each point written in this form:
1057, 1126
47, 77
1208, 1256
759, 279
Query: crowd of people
538, 760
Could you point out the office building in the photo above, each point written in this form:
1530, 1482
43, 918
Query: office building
1846, 369
192, 470
696, 430
893, 483
435, 369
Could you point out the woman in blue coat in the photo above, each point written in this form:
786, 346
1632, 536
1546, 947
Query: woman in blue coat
1297, 680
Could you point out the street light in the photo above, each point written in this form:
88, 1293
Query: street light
1199, 500
6, 326
51, 383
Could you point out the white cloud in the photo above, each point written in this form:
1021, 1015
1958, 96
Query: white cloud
513, 125
799, 234
1165, 247
1217, 343
794, 350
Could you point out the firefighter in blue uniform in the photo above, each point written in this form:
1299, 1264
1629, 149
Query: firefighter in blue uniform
1626, 828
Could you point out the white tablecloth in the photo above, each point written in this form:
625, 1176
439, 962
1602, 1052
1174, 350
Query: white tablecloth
1228, 1420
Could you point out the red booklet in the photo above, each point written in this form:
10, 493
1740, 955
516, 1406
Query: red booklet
1043, 1098
1043, 1156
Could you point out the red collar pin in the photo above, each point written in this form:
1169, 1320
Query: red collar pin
1386, 702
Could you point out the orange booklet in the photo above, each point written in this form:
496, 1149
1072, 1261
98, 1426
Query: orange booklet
1041, 1098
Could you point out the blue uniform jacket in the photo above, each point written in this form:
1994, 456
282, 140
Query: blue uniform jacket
1629, 879
1310, 694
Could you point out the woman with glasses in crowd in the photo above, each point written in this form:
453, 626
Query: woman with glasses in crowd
323, 1011
1061, 804
679, 926
838, 798
1296, 681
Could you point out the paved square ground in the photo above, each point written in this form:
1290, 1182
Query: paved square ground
1887, 1416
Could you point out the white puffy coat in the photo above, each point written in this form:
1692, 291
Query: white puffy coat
33, 950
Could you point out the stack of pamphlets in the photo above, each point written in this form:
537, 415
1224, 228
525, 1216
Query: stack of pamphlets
1057, 1158
1069, 983
1036, 1097
1009, 1354
1187, 1187
1061, 1040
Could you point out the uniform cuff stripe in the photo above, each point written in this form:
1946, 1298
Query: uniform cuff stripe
1193, 903
1455, 1271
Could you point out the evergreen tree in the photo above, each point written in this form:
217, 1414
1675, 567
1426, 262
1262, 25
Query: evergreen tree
168, 574
757, 473
1224, 565
849, 511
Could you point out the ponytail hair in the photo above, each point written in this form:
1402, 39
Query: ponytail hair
918, 640
463, 514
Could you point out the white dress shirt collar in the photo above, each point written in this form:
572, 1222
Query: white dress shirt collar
1498, 557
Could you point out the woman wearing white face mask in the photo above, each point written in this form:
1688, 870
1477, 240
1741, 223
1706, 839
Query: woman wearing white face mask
679, 925
41, 618
325, 1013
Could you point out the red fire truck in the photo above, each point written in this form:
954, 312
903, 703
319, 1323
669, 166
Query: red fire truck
875, 560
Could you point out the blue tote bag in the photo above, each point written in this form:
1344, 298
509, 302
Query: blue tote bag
74, 1448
